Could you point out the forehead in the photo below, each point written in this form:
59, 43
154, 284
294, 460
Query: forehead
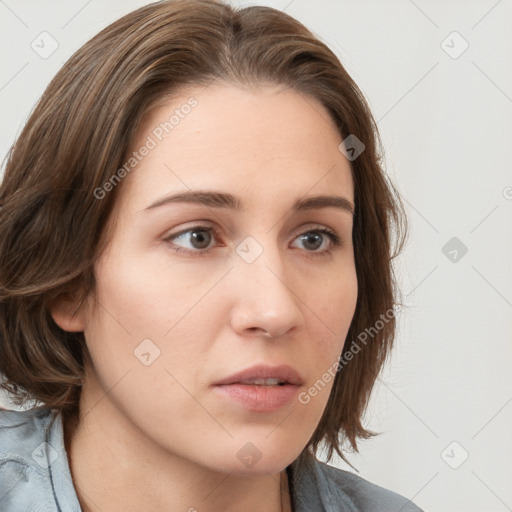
270, 140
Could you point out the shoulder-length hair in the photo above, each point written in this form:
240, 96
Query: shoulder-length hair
52, 224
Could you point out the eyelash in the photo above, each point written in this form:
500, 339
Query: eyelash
333, 237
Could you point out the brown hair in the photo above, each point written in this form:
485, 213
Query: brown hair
52, 226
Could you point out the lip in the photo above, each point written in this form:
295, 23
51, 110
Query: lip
283, 372
261, 398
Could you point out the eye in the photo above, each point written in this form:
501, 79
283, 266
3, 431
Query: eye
200, 238
316, 238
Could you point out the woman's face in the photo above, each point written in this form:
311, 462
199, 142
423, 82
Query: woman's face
187, 290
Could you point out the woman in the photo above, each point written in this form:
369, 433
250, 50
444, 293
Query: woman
195, 232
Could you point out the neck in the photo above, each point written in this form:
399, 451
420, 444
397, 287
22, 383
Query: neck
115, 467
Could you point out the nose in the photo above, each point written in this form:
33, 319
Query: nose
264, 300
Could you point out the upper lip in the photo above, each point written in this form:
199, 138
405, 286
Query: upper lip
282, 372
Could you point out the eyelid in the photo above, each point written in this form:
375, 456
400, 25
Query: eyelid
196, 226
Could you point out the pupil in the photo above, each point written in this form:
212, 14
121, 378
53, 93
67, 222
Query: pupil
310, 237
198, 236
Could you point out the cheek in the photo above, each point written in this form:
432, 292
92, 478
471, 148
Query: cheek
332, 309
146, 297
152, 321
147, 349
329, 322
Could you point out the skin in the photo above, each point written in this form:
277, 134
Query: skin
158, 437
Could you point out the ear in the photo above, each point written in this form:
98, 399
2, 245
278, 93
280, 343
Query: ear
67, 313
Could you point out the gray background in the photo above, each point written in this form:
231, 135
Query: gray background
445, 118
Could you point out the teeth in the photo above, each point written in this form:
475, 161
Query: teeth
262, 382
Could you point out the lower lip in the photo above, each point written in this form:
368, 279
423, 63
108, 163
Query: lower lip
260, 398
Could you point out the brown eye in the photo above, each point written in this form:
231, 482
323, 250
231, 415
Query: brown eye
198, 239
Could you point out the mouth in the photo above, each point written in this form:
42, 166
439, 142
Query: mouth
261, 388
263, 382
264, 375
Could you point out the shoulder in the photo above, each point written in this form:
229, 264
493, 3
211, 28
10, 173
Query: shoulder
25, 459
365, 495
334, 489
21, 432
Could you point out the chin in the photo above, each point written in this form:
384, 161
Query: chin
252, 456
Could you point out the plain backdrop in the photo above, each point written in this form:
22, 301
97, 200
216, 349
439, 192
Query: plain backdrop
438, 77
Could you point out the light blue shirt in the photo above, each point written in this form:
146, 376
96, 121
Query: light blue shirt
35, 474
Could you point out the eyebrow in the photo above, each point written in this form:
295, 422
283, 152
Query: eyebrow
224, 200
